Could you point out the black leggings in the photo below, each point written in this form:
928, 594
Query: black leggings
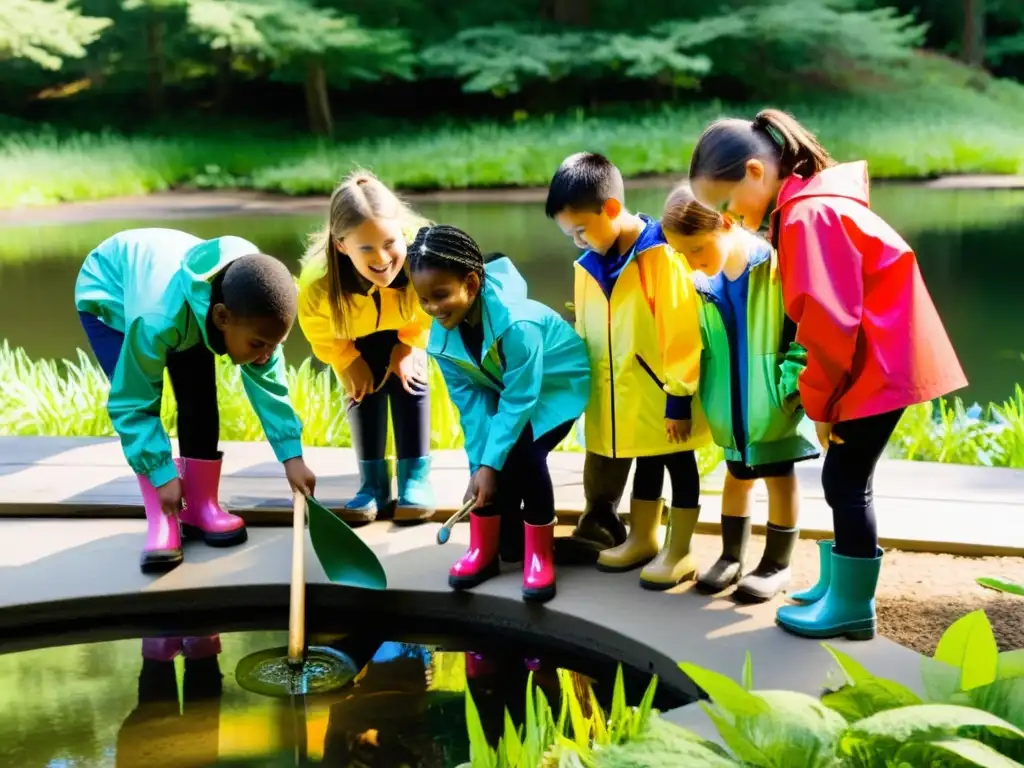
368, 419
847, 479
525, 481
604, 479
194, 381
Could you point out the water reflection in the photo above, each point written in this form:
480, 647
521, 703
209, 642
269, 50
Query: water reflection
173, 702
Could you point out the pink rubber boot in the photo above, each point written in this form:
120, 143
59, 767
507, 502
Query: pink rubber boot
203, 517
162, 550
539, 563
480, 562
161, 648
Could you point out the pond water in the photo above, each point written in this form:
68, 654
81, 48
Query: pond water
968, 243
104, 704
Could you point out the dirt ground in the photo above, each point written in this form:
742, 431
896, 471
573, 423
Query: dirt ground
919, 595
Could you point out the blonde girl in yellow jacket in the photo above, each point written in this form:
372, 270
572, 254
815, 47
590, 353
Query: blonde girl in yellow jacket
637, 311
360, 314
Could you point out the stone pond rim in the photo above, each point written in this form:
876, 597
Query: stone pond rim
188, 202
331, 608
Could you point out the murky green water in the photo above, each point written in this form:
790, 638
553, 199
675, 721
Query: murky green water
103, 704
968, 242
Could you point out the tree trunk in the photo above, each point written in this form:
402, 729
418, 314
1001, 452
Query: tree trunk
972, 49
223, 81
155, 28
318, 107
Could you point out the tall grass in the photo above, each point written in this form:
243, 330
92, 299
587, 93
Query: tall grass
68, 399
911, 133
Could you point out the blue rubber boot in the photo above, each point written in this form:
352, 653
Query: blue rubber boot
815, 593
848, 607
374, 494
415, 493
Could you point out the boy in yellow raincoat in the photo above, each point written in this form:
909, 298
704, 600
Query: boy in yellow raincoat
637, 311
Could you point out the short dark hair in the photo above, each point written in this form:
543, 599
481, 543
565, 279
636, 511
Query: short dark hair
259, 287
584, 181
448, 248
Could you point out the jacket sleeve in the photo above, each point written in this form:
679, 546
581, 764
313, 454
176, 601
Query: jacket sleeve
823, 290
136, 391
316, 325
267, 389
416, 332
677, 319
475, 406
524, 371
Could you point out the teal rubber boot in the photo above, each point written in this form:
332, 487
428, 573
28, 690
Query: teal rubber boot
815, 593
374, 494
415, 493
848, 607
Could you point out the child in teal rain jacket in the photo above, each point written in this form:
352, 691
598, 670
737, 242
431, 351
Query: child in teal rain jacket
748, 388
158, 299
519, 376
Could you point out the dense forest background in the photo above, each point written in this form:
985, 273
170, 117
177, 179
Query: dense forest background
324, 66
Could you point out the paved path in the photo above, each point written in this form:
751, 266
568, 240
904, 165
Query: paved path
62, 578
920, 506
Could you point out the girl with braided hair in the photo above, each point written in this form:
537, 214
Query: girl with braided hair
520, 377
875, 343
360, 314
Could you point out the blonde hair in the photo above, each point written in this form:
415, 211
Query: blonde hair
685, 215
360, 196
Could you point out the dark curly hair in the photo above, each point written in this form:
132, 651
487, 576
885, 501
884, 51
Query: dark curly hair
448, 248
258, 286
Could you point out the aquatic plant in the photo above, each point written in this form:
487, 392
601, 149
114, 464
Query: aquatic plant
1000, 584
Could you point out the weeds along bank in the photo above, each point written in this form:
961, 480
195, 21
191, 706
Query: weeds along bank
917, 133
68, 399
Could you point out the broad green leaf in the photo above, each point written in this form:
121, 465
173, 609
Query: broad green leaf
927, 721
1002, 585
748, 672
665, 745
480, 753
854, 671
643, 713
618, 700
511, 742
855, 702
945, 752
796, 729
580, 725
1003, 698
725, 693
1011, 665
740, 745
941, 681
970, 645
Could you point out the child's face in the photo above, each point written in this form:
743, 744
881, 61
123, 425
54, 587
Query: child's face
445, 296
377, 249
589, 230
704, 252
745, 201
248, 340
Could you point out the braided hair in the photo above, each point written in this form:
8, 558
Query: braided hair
447, 248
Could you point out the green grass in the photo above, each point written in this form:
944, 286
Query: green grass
917, 130
68, 399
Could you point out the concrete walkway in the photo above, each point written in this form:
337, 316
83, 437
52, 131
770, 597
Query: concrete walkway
920, 506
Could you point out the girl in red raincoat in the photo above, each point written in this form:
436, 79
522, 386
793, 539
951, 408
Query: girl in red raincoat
875, 343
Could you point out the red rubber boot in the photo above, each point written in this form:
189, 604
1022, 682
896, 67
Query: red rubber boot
203, 517
539, 563
480, 562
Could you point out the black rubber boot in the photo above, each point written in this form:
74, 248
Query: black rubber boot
598, 529
772, 574
729, 567
510, 537
203, 679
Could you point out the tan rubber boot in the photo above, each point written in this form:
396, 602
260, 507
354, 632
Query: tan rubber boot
674, 563
641, 545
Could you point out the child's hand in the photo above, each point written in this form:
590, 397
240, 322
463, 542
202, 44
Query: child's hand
358, 379
170, 496
485, 485
826, 435
678, 430
410, 366
300, 477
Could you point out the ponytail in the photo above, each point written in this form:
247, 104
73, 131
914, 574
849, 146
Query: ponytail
726, 145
